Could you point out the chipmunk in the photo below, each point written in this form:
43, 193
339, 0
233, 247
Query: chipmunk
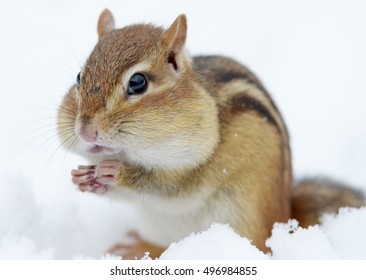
194, 140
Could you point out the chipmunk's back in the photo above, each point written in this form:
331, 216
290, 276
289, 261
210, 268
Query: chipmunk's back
225, 78
253, 153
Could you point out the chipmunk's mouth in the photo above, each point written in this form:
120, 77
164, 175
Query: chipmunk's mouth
96, 149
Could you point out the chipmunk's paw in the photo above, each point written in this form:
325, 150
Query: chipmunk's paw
85, 178
137, 249
107, 172
97, 178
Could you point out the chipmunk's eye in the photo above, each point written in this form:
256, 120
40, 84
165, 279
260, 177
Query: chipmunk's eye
78, 79
137, 84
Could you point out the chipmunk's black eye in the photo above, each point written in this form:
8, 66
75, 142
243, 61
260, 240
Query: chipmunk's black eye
137, 84
78, 79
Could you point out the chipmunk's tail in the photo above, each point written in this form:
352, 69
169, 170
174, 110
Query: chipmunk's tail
313, 197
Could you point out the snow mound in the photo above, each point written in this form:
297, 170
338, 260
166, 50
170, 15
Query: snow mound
347, 232
289, 241
219, 242
341, 236
22, 248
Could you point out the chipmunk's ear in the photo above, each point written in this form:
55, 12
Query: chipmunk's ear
105, 23
175, 37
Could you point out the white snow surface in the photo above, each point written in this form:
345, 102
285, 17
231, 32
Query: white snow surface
309, 54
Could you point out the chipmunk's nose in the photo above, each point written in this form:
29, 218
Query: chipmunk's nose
87, 131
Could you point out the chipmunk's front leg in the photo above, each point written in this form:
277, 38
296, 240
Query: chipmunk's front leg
97, 178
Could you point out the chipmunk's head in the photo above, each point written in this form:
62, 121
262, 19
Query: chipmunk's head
137, 97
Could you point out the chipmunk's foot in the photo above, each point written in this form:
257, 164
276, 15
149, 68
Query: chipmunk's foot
96, 178
136, 250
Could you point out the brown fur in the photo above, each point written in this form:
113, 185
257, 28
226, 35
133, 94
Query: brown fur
243, 156
105, 23
312, 198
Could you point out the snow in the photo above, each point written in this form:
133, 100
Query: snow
309, 54
339, 236
218, 242
347, 232
288, 241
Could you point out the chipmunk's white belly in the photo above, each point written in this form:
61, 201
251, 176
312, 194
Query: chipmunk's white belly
168, 220
171, 219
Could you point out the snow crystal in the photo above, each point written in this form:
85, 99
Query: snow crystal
146, 257
102, 257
